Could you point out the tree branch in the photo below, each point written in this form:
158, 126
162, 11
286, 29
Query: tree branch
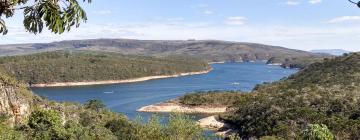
352, 2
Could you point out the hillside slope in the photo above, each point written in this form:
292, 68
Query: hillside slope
210, 50
15, 99
325, 92
84, 66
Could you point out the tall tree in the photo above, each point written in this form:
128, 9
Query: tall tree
57, 15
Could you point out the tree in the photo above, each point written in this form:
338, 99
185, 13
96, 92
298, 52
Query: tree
96, 105
46, 124
57, 15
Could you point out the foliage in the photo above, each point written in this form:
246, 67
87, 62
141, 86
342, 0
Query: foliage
57, 15
317, 132
297, 62
68, 66
179, 127
96, 105
105, 125
7, 133
122, 128
92, 121
210, 98
46, 124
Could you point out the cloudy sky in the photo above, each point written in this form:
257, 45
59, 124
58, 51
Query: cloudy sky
298, 24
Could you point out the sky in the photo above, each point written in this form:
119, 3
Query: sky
297, 24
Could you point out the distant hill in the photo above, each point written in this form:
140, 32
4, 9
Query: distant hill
85, 66
209, 50
336, 52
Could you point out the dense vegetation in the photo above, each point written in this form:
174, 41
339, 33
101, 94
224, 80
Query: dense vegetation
67, 121
68, 66
210, 98
321, 100
298, 62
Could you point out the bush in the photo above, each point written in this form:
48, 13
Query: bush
211, 98
46, 125
317, 132
96, 105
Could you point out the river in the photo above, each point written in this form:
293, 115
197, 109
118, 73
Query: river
127, 98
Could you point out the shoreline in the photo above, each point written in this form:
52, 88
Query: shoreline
133, 80
174, 107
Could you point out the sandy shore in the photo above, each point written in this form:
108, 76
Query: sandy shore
275, 64
173, 107
221, 62
212, 123
118, 81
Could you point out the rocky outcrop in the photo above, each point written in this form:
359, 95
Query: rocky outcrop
15, 101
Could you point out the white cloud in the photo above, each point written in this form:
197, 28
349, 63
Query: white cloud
344, 19
292, 3
208, 12
315, 1
237, 20
175, 19
102, 12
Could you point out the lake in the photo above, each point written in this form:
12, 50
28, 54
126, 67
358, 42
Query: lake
127, 98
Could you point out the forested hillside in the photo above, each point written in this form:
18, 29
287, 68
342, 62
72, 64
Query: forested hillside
209, 50
78, 66
325, 93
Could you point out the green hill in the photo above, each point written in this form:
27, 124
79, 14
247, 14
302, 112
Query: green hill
209, 50
323, 93
79, 66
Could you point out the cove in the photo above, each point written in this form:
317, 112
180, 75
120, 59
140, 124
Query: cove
127, 98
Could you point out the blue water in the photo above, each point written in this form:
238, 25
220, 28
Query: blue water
127, 98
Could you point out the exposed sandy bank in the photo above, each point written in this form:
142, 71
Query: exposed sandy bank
221, 62
118, 81
174, 107
212, 123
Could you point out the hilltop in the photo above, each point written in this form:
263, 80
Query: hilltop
209, 50
86, 66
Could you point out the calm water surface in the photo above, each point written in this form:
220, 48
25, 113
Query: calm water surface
127, 98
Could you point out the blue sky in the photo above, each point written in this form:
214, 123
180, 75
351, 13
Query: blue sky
298, 24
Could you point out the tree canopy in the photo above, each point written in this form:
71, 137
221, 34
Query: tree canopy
57, 15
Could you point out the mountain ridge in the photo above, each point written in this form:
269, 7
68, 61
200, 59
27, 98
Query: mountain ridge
209, 50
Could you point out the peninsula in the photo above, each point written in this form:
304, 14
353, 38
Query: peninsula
78, 68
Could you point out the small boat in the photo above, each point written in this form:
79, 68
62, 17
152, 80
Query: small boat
235, 83
109, 92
